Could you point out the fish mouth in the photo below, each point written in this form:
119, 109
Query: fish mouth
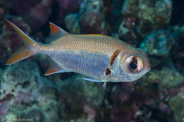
148, 67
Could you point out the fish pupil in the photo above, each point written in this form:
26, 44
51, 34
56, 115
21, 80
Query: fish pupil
133, 65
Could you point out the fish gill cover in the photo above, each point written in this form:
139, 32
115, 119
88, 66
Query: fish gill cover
155, 26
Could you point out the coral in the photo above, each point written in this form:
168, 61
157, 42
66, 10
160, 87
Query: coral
1, 72
9, 38
126, 32
70, 4
66, 7
158, 43
140, 101
142, 17
144, 100
25, 94
35, 13
88, 96
30, 94
166, 78
28, 16
91, 18
177, 105
71, 23
10, 117
4, 10
177, 50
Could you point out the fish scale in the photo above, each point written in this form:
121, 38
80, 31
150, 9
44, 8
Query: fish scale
101, 44
97, 49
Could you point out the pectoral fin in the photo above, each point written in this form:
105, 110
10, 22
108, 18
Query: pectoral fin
92, 80
104, 85
95, 80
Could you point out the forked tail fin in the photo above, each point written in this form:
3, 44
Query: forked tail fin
30, 47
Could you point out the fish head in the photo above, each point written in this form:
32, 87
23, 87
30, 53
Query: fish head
133, 64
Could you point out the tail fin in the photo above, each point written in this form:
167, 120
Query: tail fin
25, 51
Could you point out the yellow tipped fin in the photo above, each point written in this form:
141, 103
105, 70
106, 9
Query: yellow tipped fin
54, 29
20, 54
27, 50
54, 71
25, 38
56, 32
54, 68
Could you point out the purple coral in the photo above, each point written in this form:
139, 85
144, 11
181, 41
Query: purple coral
91, 18
142, 17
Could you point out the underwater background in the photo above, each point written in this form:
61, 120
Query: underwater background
155, 26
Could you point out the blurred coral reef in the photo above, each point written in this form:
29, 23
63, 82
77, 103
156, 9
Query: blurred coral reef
154, 26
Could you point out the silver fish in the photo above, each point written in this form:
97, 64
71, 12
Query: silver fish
99, 57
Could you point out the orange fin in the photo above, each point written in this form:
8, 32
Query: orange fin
56, 32
54, 68
24, 37
25, 51
54, 71
20, 54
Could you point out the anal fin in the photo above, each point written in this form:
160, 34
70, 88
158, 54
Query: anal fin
54, 71
54, 68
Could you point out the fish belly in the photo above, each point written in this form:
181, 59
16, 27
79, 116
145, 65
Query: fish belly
91, 64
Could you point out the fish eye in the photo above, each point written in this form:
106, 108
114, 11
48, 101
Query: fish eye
134, 64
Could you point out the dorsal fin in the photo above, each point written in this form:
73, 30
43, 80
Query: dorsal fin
56, 32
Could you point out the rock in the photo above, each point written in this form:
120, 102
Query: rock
142, 17
72, 24
158, 43
91, 19
27, 94
10, 39
177, 50
166, 77
79, 99
177, 105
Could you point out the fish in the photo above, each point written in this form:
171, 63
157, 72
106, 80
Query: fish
99, 58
